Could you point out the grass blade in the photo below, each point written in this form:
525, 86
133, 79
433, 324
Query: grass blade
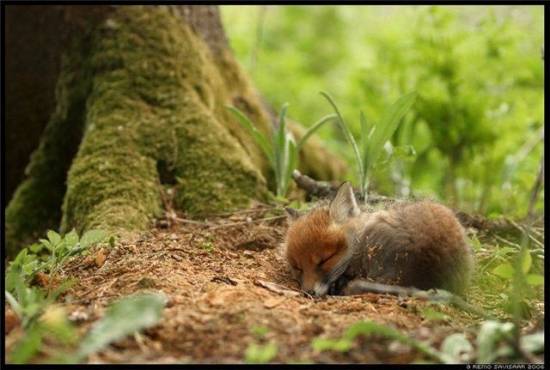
317, 125
280, 149
257, 135
365, 136
292, 162
349, 138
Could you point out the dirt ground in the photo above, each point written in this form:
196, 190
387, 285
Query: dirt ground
224, 278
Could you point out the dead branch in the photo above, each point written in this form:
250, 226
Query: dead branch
323, 189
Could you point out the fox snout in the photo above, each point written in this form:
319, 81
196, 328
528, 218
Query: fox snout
313, 285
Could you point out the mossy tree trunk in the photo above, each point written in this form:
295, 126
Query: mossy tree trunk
140, 107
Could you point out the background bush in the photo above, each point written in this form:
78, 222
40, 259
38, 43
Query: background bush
473, 136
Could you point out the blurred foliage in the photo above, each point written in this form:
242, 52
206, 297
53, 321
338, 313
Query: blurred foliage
493, 341
477, 122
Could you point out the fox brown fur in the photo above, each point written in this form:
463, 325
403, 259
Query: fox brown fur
413, 244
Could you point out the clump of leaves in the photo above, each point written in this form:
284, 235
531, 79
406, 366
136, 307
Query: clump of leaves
373, 137
58, 249
281, 151
34, 306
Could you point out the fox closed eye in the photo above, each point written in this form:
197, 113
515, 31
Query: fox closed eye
327, 259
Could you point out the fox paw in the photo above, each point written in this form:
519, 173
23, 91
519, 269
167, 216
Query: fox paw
338, 287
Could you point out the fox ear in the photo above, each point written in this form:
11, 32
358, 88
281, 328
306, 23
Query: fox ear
344, 205
292, 214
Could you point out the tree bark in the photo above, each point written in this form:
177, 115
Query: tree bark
139, 109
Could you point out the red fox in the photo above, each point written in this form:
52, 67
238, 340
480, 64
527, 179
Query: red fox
415, 244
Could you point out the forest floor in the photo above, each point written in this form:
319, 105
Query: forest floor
228, 289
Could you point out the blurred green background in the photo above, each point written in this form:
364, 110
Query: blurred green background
474, 135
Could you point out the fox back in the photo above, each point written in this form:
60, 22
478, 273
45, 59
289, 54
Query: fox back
418, 244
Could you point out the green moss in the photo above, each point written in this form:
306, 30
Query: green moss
157, 96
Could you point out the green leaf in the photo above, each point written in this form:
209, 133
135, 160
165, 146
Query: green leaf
54, 237
457, 348
489, 336
261, 354
256, 135
386, 128
370, 327
123, 317
317, 125
533, 343
92, 237
46, 243
535, 279
526, 261
504, 270
16, 307
27, 347
325, 344
36, 247
71, 239
259, 331
292, 163
365, 132
431, 314
280, 150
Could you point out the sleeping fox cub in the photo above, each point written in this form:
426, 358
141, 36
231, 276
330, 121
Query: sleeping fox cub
418, 244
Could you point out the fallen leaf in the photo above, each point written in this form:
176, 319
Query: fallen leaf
100, 257
41, 279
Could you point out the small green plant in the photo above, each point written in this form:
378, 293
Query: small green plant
455, 348
34, 306
281, 151
123, 317
52, 325
32, 259
259, 331
261, 353
506, 270
368, 328
207, 246
258, 353
373, 137
521, 282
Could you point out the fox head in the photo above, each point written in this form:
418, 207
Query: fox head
317, 247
